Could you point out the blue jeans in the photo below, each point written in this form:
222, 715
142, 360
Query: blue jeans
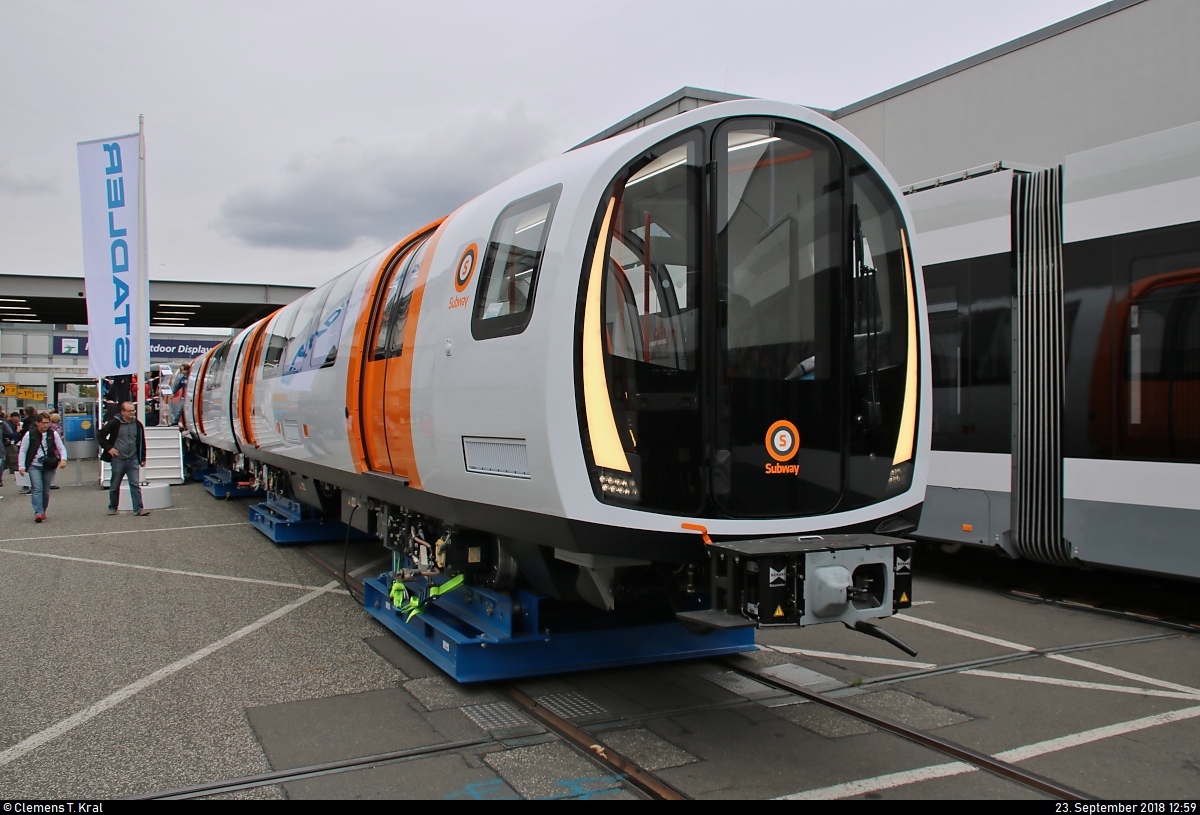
122, 468
40, 482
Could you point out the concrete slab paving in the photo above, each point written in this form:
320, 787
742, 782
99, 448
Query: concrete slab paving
555, 772
431, 778
1155, 763
317, 731
647, 749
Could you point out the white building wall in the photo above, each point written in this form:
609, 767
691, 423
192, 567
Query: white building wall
1128, 73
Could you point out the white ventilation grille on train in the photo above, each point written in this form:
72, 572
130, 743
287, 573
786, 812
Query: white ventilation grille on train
506, 457
1037, 464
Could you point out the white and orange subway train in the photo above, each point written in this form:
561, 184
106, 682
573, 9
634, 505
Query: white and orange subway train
710, 328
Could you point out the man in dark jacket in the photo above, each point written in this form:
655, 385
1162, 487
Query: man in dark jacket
12, 438
28, 420
123, 441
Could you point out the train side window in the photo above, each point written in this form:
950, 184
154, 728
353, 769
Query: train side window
504, 299
295, 353
389, 336
277, 342
216, 368
327, 331
1159, 391
408, 282
299, 353
945, 336
391, 299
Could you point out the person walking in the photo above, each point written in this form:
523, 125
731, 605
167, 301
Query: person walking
123, 444
41, 455
179, 391
28, 418
11, 440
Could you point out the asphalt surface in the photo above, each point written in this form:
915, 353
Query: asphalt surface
139, 655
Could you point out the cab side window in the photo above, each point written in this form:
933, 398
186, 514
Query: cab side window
508, 280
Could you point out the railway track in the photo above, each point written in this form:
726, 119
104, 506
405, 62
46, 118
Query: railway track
640, 781
637, 779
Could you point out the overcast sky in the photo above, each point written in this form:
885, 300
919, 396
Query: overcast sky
286, 141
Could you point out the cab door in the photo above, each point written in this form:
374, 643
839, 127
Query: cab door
779, 407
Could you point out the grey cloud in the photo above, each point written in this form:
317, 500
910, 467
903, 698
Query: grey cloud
13, 184
353, 192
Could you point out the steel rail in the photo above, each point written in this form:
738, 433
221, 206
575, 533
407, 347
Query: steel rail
310, 771
644, 780
353, 584
1147, 617
965, 754
1006, 659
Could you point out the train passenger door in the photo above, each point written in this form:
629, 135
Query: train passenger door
385, 413
1158, 386
243, 386
780, 399
712, 384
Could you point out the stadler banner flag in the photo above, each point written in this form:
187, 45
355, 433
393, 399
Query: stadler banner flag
114, 254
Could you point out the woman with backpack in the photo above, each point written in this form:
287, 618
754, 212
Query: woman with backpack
41, 455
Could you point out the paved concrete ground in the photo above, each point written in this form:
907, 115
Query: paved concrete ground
144, 654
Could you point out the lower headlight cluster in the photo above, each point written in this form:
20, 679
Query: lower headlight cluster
624, 486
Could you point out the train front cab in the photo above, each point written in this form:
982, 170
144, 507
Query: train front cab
757, 358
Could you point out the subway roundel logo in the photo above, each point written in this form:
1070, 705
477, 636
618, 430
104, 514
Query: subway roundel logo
783, 442
465, 268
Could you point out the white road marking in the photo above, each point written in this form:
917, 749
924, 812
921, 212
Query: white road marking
1015, 755
1149, 680
1095, 666
70, 723
880, 782
1042, 748
963, 633
1074, 683
166, 571
116, 532
850, 657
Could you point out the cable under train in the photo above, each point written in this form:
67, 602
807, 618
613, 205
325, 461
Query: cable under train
676, 377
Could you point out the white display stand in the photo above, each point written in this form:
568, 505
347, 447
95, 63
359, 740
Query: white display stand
164, 459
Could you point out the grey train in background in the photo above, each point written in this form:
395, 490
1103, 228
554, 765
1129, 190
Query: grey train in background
1064, 310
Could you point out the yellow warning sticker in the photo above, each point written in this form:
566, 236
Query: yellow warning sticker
778, 611
903, 597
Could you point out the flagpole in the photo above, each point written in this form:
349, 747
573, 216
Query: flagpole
143, 299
